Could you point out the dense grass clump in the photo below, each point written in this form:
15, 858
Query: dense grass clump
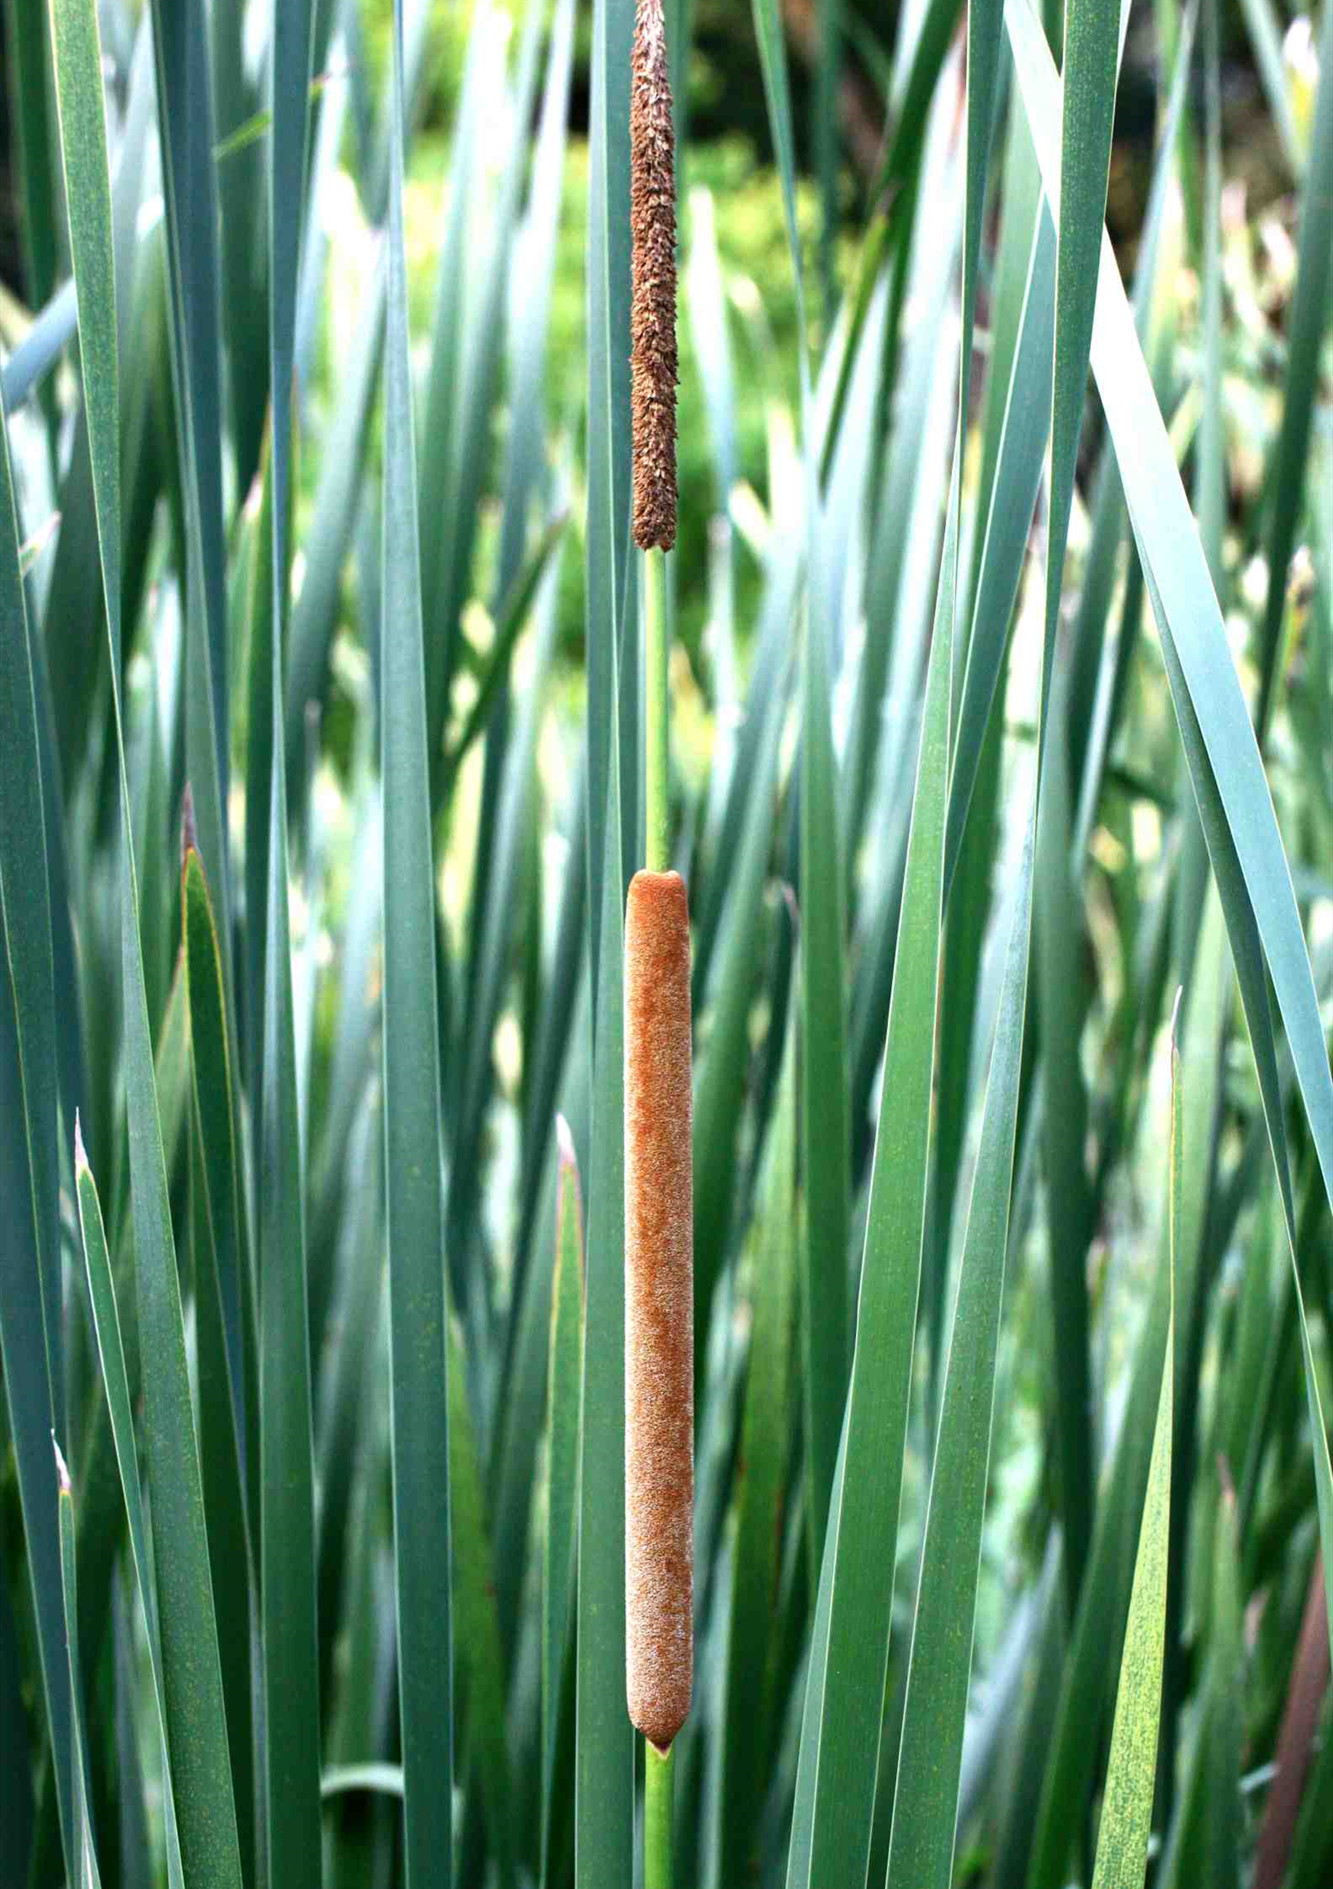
864, 1326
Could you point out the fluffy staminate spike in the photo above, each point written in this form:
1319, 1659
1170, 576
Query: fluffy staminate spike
653, 275
659, 1309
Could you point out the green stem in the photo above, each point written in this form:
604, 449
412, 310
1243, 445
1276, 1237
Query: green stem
655, 637
658, 1817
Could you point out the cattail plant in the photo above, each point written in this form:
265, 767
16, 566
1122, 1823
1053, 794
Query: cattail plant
659, 1229
343, 1252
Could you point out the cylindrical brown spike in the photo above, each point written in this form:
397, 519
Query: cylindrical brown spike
653, 279
659, 1309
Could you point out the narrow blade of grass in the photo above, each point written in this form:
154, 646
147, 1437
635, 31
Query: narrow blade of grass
215, 1100
1307, 325
86, 1871
825, 1150
226, 1341
30, 1309
36, 154
25, 895
16, 1797
607, 530
1264, 27
34, 357
185, 118
418, 1311
260, 733
315, 613
476, 390
720, 1095
287, 1516
925, 1812
1091, 64
760, 1494
1062, 996
604, 1760
560, 1545
1091, 698
1226, 1695
344, 1400
835, 1786
1022, 447
1122, 1837
480, 1662
115, 1378
28, 1405
291, 1676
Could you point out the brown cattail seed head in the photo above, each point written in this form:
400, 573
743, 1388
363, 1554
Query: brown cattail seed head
653, 276
659, 1309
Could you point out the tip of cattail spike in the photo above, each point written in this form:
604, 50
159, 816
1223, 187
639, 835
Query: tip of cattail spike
659, 1309
653, 280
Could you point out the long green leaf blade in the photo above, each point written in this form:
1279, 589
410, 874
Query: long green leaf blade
287, 1518
1122, 1839
418, 1313
226, 1342
765, 1430
87, 1873
607, 588
215, 1102
925, 1813
115, 1377
30, 1329
825, 1149
848, 1658
1091, 62
604, 1794
1308, 326
560, 1548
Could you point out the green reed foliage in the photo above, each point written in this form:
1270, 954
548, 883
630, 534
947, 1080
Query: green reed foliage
1001, 774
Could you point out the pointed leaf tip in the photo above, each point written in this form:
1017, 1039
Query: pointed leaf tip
62, 1467
1228, 1484
564, 1141
189, 831
80, 1152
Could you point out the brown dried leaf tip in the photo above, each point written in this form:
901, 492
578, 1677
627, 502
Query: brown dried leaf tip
659, 1309
653, 277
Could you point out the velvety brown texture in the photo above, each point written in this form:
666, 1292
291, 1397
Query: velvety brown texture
659, 1309
653, 279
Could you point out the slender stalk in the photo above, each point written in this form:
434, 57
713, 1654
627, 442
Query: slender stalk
656, 857
659, 1847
